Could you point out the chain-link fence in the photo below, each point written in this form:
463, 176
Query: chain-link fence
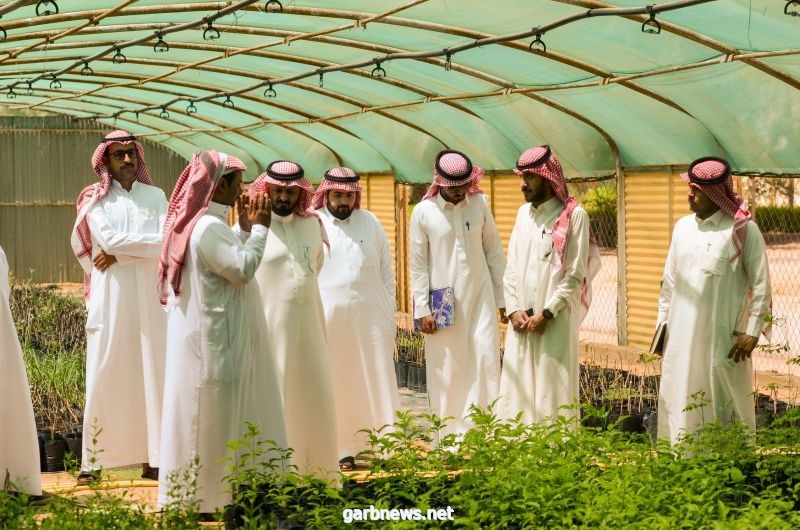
774, 202
599, 199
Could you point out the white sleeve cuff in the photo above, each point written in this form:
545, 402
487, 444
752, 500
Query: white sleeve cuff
754, 326
554, 305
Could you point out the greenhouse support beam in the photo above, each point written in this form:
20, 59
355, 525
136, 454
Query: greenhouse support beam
447, 52
11, 6
701, 39
158, 34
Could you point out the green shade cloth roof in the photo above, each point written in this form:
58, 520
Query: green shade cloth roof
722, 78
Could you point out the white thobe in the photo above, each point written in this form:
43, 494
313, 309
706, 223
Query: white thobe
459, 246
357, 288
704, 300
540, 370
220, 369
19, 447
287, 279
126, 331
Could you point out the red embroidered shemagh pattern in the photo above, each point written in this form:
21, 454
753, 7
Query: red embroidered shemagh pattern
453, 163
81, 238
189, 202
550, 169
332, 183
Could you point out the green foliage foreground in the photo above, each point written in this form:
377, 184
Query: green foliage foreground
503, 475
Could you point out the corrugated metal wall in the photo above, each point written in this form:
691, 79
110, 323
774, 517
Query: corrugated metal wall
401, 257
653, 202
44, 164
506, 198
381, 202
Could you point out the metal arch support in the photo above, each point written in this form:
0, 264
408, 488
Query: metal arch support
336, 127
456, 31
289, 58
214, 134
699, 38
137, 84
474, 35
109, 101
239, 73
61, 109
478, 74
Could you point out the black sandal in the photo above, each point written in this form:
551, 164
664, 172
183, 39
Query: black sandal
87, 477
347, 463
149, 472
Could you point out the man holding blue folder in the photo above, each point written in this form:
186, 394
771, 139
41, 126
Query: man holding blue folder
457, 267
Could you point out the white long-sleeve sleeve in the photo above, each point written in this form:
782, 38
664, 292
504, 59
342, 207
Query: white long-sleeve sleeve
576, 257
754, 260
419, 254
225, 255
118, 243
495, 259
385, 257
510, 278
667, 286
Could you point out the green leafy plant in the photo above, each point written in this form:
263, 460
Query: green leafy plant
600, 202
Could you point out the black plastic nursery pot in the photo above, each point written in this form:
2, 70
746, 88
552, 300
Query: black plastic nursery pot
43, 437
413, 376
54, 450
401, 372
75, 444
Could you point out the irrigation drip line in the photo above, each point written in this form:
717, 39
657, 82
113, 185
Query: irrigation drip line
447, 52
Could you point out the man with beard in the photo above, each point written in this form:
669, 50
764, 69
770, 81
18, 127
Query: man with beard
357, 288
715, 299
287, 279
457, 256
117, 239
552, 258
220, 371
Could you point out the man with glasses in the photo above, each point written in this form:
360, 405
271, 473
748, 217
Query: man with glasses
117, 240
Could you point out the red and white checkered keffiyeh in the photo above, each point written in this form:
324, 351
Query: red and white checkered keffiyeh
81, 238
451, 169
712, 176
189, 202
285, 174
338, 179
543, 162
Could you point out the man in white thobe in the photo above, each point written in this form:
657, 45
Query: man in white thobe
552, 259
357, 288
19, 447
715, 299
454, 245
117, 238
287, 279
220, 370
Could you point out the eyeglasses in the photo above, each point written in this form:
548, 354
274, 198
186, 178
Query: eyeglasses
120, 155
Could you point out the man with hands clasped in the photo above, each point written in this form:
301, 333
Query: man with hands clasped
552, 258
